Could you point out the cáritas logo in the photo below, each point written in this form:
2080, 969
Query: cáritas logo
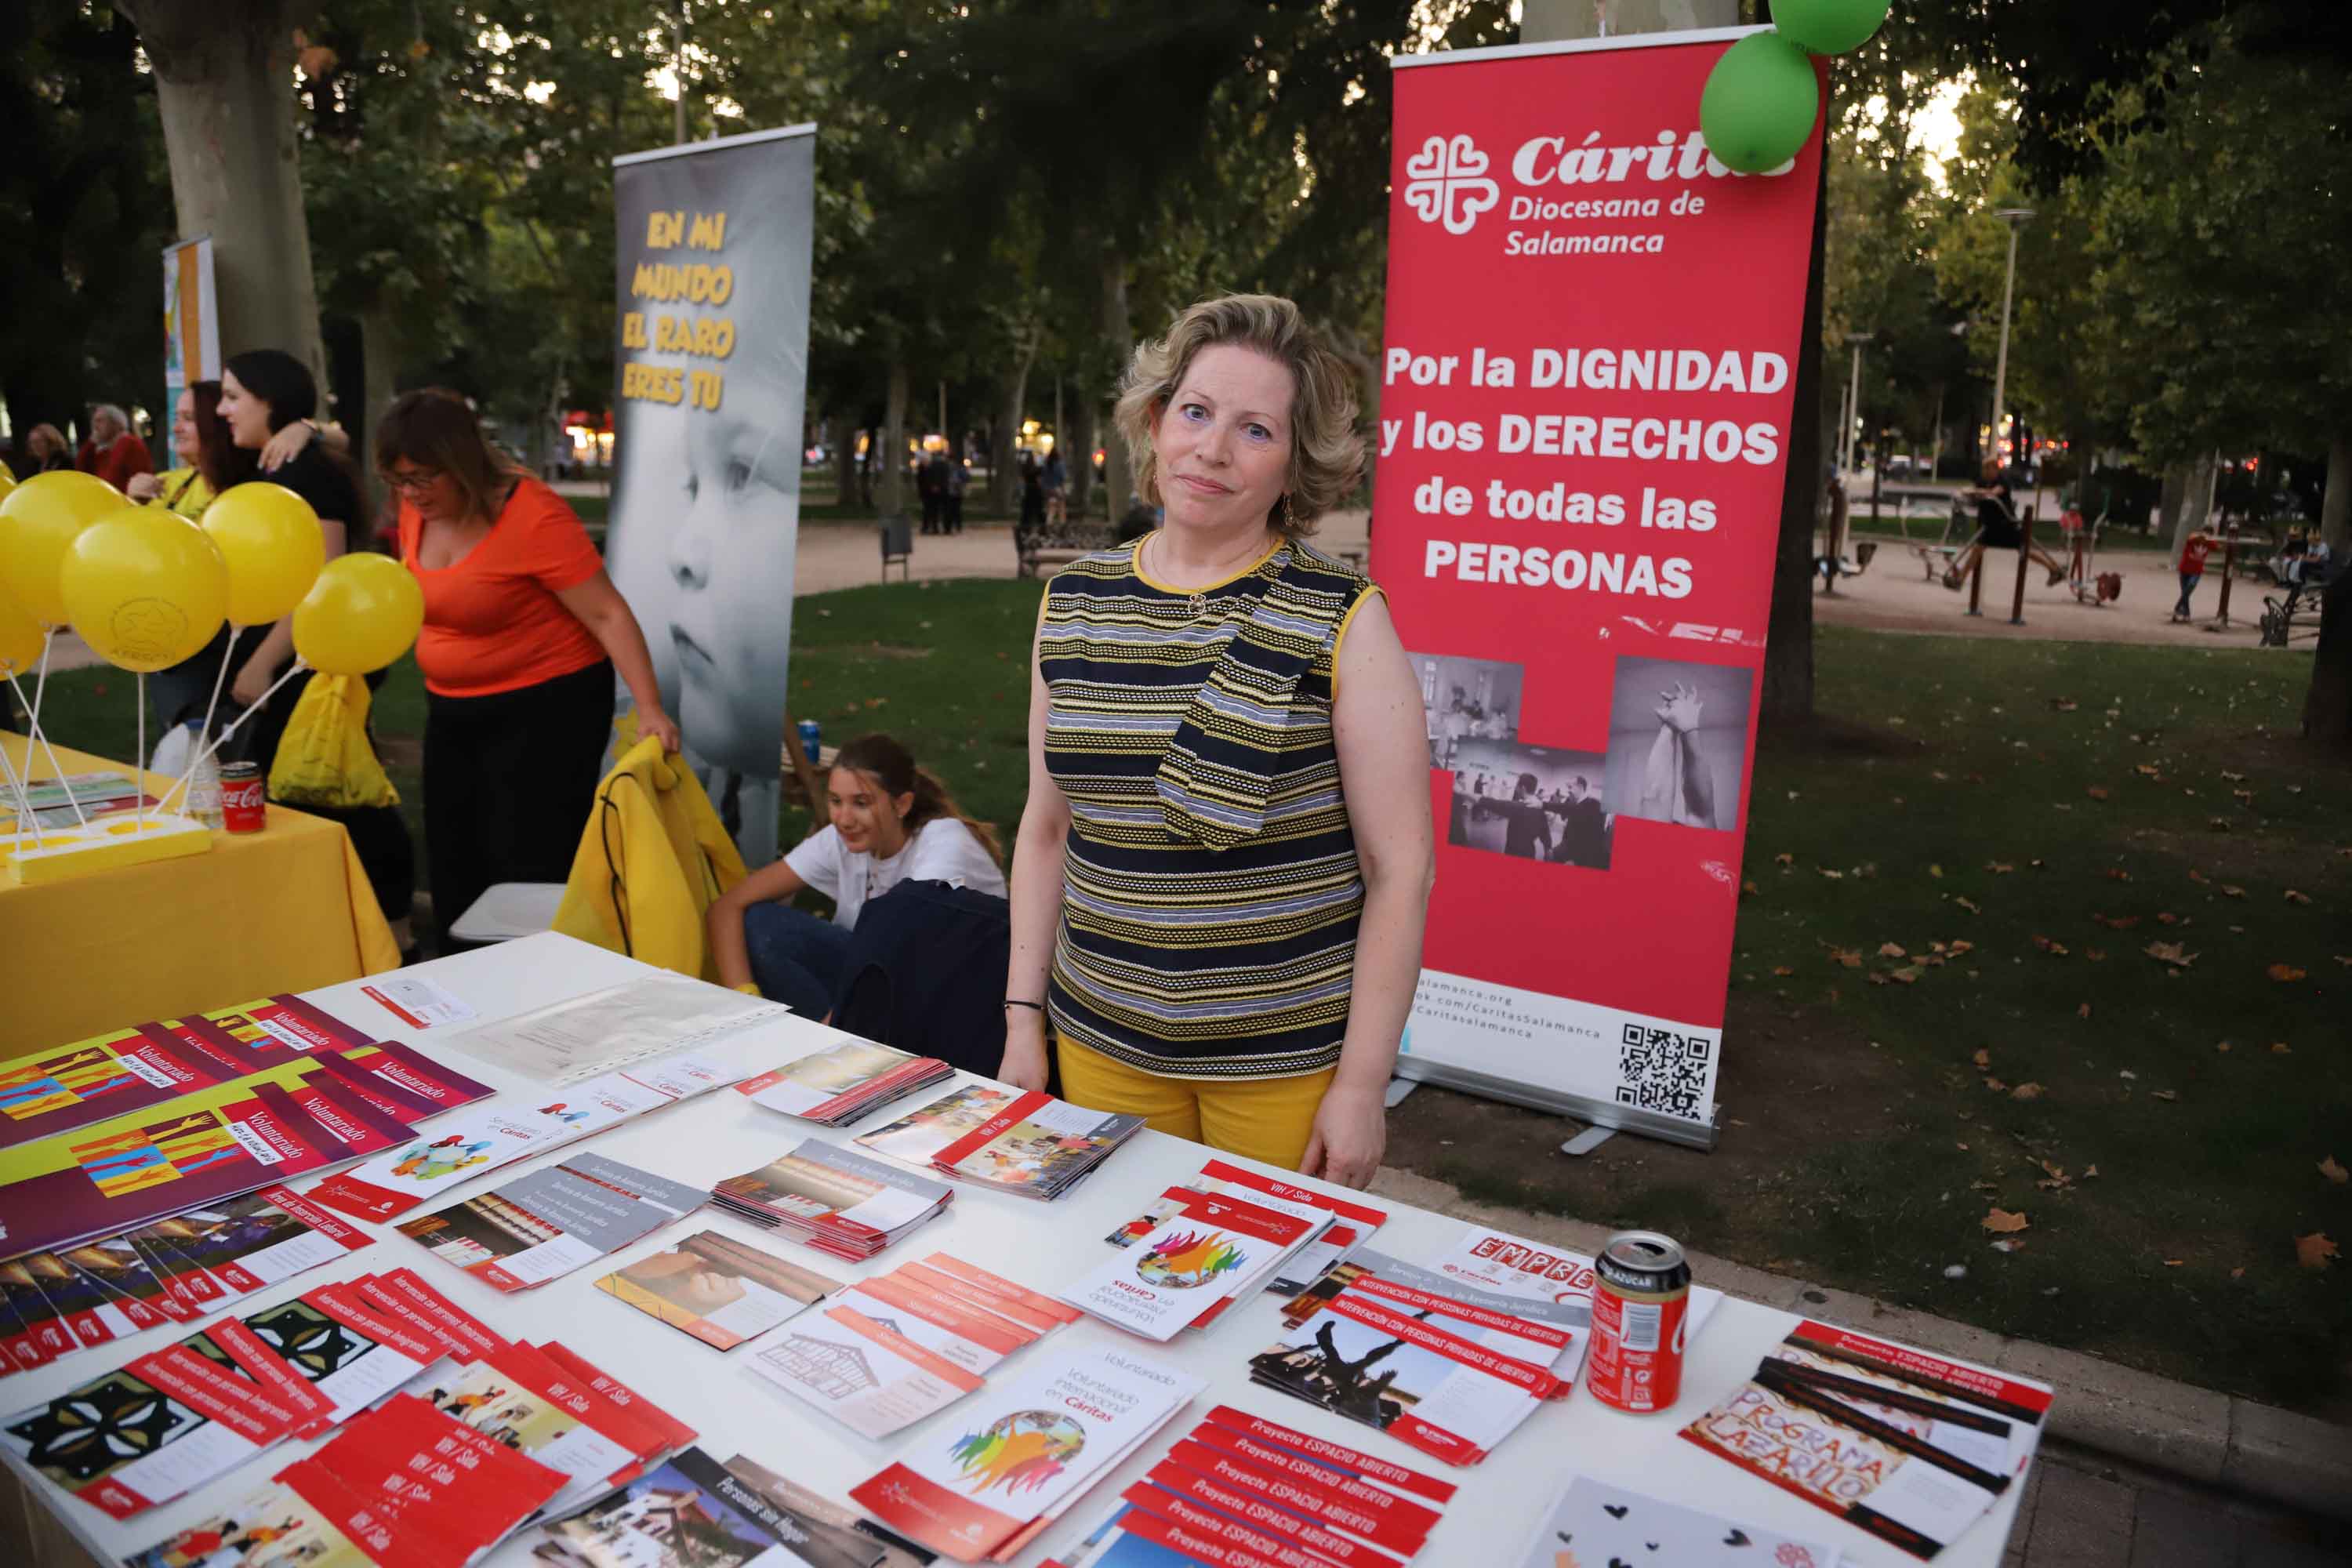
1447, 181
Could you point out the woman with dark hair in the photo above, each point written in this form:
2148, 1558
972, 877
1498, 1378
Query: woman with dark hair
46, 445
263, 391
523, 632
892, 822
210, 462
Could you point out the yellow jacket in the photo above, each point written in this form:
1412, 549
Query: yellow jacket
651, 862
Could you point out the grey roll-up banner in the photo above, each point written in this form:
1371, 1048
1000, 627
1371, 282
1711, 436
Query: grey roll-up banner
711, 374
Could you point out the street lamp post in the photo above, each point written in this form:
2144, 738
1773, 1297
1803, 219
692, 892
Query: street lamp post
2015, 217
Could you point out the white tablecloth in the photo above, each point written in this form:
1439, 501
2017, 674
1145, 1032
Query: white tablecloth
1040, 1245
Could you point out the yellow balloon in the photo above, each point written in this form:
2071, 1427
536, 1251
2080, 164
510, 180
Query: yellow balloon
20, 637
270, 539
38, 519
362, 613
146, 588
7, 479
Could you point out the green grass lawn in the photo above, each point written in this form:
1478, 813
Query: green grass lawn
2119, 890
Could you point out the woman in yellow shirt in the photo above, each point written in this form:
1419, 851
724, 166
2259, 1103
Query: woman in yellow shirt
210, 463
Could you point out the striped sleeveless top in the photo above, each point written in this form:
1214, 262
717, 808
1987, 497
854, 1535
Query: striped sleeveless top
1211, 885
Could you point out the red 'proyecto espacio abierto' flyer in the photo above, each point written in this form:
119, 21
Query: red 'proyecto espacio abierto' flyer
1586, 384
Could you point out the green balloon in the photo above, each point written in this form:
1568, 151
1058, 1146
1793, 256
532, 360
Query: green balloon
1828, 27
1759, 103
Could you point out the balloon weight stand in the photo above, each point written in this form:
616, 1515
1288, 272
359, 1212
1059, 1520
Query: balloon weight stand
101, 846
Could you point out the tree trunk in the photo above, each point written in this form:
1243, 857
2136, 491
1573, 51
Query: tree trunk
1788, 639
2328, 705
224, 74
1078, 458
891, 454
1003, 467
2335, 505
843, 434
1119, 330
2197, 502
380, 367
2170, 501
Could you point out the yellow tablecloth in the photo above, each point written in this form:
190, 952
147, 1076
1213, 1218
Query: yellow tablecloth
287, 908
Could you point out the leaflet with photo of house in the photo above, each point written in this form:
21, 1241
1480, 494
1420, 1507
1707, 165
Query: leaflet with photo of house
543, 1225
867, 1377
864, 1542
717, 1290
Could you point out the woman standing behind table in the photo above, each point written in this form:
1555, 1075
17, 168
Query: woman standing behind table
210, 463
893, 822
267, 393
1220, 880
523, 633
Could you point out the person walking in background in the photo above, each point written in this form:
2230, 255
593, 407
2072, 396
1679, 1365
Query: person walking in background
1217, 904
263, 393
1033, 494
1056, 482
523, 634
45, 446
953, 481
931, 488
114, 451
2193, 551
211, 462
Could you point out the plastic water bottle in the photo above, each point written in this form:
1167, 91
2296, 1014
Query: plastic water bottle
204, 783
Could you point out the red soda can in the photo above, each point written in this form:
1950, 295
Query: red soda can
1641, 1311
242, 809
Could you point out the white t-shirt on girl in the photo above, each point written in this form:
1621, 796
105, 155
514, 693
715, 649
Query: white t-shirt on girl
940, 850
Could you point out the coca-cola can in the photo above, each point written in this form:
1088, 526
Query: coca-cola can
1641, 1316
243, 807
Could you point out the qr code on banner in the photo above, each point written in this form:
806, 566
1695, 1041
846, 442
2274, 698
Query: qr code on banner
1658, 1069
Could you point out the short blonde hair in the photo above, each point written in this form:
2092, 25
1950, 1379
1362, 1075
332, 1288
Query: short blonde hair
1326, 453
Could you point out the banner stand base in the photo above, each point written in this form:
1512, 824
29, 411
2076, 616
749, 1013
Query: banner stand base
1598, 1113
1395, 1093
1586, 1142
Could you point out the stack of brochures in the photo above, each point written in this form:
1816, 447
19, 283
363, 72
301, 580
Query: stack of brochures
835, 1201
1905, 1446
1017, 1142
837, 1084
1180, 1274
887, 1351
987, 1484
1241, 1490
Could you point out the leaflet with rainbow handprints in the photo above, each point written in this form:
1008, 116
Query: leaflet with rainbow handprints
1198, 1257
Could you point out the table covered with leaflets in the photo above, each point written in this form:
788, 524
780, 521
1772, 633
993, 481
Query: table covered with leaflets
538, 1254
287, 908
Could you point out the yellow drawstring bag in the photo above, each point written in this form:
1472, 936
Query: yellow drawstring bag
325, 758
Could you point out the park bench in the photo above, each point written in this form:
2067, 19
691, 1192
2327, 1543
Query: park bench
1052, 545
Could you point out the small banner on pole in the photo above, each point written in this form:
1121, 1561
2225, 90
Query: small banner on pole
1587, 384
191, 327
710, 376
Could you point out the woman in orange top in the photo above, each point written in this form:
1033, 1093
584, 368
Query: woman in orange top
523, 632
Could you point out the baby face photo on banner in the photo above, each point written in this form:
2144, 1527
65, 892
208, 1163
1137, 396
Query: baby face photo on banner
705, 504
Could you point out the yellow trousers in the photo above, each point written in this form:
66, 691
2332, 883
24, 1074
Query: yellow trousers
1267, 1118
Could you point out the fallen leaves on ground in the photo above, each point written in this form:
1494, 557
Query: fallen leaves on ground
2284, 973
1849, 956
2164, 1094
2083, 1011
1833, 876
1907, 975
2169, 953
2313, 1251
1983, 1058
2002, 1222
2026, 1092
2332, 1171
1784, 859
2000, 867
2232, 890
2046, 946
2089, 1171
2294, 898
2279, 1049
1995, 1085
1782, 971
2097, 792
1968, 905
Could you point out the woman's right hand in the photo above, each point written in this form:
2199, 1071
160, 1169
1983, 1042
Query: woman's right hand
1024, 1049
286, 445
144, 488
